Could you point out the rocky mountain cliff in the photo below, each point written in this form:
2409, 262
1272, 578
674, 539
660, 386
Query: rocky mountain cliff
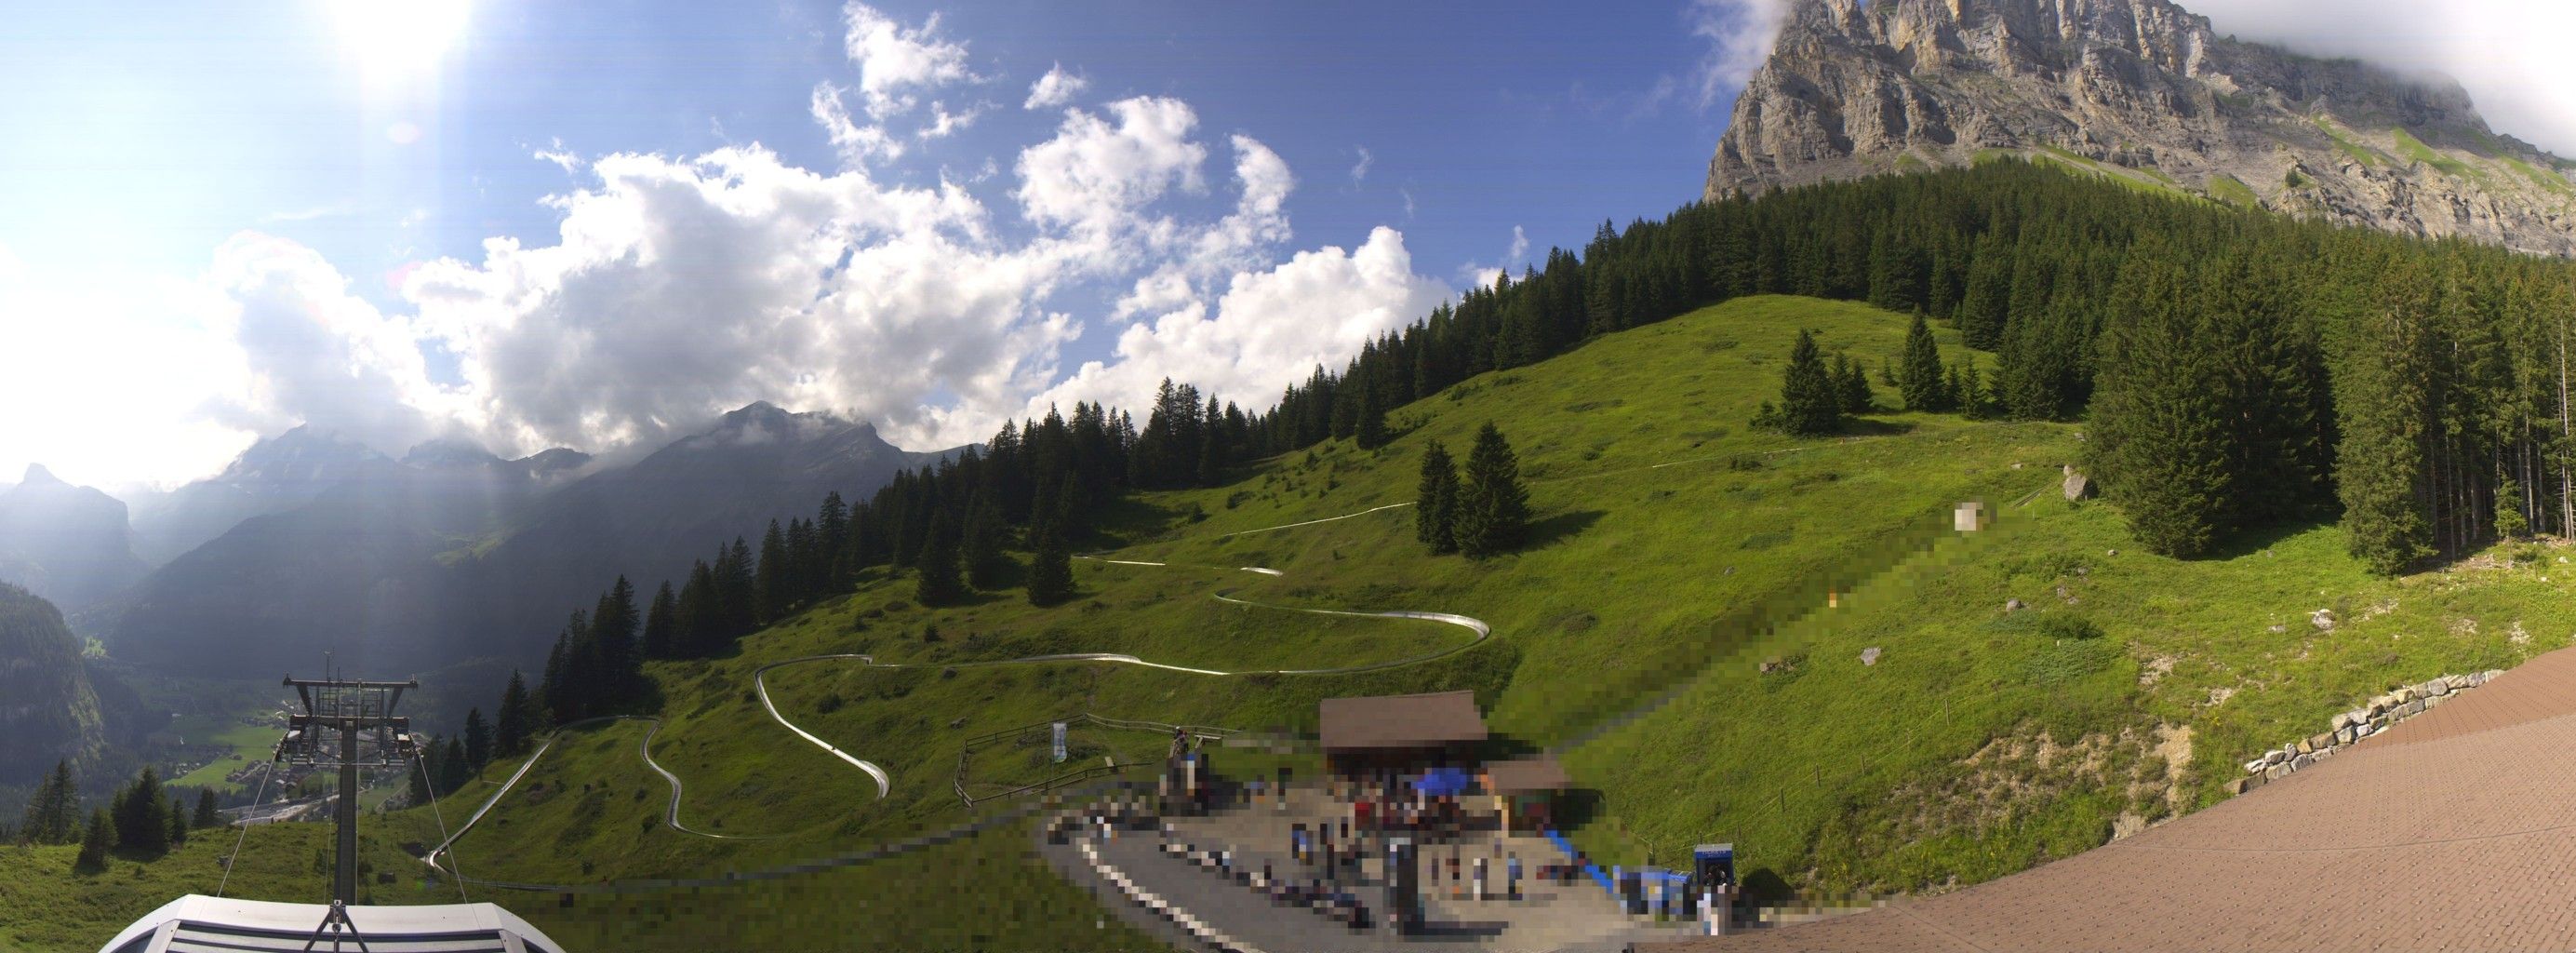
47, 711
2141, 91
70, 544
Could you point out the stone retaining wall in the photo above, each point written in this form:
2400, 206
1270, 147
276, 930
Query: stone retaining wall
2348, 727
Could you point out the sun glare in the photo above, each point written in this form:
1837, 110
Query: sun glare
398, 36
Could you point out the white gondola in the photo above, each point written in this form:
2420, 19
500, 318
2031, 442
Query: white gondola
201, 924
358, 718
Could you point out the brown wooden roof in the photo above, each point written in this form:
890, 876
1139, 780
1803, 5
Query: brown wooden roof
1526, 775
1401, 721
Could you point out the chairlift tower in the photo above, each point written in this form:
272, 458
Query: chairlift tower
347, 725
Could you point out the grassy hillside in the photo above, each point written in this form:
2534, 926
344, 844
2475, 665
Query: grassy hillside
1686, 626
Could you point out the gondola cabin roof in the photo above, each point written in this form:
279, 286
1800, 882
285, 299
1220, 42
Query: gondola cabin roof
201, 924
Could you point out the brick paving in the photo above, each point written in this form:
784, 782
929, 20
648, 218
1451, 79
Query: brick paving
2455, 830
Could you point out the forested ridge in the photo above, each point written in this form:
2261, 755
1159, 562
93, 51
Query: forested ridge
2235, 368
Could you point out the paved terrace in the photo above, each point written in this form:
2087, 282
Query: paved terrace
2455, 829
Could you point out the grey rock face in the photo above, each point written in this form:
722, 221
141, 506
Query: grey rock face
2141, 90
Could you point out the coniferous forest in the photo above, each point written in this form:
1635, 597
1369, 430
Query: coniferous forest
2234, 369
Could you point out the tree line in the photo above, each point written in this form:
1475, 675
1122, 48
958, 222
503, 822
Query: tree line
143, 819
2239, 368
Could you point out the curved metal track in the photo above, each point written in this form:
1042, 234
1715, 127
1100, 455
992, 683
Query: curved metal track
876, 773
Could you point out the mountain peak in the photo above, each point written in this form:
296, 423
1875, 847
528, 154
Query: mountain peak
449, 452
2142, 92
37, 475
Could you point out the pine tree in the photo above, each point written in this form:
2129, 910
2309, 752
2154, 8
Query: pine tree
771, 592
1809, 403
97, 838
939, 584
178, 820
1851, 387
553, 697
1051, 570
478, 740
142, 821
662, 624
208, 813
453, 769
832, 527
983, 543
620, 675
53, 814
2382, 406
2510, 523
1493, 508
1435, 504
1370, 430
2158, 441
418, 790
516, 719
1923, 383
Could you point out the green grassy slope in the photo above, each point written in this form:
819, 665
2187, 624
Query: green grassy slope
1676, 552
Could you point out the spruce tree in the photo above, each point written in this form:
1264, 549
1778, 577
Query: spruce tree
2382, 407
53, 813
770, 589
1851, 387
453, 769
1493, 508
516, 719
1370, 430
178, 815
620, 676
478, 740
418, 790
2510, 523
662, 624
1051, 570
1923, 383
142, 815
208, 813
97, 838
983, 543
2158, 441
1809, 403
939, 582
1435, 503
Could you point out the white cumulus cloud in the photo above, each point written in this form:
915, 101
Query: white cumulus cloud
896, 61
1271, 328
1054, 89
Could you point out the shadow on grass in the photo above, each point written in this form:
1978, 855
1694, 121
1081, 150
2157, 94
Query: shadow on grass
1558, 528
2256, 539
1867, 427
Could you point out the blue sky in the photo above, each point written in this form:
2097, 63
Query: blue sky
202, 176
598, 224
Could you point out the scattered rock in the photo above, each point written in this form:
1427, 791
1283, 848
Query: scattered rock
2323, 619
959, 723
2015, 605
2110, 552
2076, 486
1771, 664
2278, 629
1869, 656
